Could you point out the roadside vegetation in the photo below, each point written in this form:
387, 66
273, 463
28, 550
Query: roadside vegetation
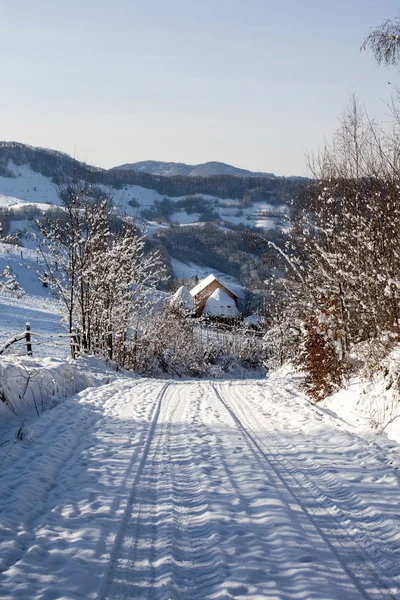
337, 293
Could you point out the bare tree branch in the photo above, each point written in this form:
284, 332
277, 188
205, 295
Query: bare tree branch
384, 41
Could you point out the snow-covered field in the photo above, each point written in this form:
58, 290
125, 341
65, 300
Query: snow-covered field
37, 306
162, 489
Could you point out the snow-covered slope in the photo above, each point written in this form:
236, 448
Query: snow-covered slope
27, 185
31, 188
370, 402
36, 306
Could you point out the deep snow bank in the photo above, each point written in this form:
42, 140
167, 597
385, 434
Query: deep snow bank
30, 386
371, 403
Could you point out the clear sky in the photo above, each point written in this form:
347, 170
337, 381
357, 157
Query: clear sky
254, 83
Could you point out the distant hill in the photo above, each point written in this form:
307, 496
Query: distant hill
195, 222
244, 185
171, 169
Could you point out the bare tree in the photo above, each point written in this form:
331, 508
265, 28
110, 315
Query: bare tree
98, 267
342, 256
384, 41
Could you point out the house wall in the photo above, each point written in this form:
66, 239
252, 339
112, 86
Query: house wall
201, 298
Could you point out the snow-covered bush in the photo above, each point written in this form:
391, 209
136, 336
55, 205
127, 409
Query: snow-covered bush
341, 258
173, 344
9, 283
167, 344
29, 386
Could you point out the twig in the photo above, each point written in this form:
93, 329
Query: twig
18, 436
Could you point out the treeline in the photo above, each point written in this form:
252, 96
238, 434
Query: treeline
274, 190
61, 168
230, 251
58, 166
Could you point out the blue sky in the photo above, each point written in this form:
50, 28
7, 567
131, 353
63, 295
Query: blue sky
254, 83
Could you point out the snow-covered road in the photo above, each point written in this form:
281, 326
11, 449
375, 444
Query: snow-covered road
196, 490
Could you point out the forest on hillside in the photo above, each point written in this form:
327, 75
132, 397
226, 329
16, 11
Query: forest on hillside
61, 168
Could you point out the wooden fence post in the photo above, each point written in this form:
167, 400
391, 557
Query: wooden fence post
28, 339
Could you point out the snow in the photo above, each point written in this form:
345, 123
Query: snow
7, 201
161, 489
190, 270
29, 186
37, 306
182, 298
17, 204
219, 304
254, 321
183, 218
32, 385
121, 198
204, 283
370, 403
116, 487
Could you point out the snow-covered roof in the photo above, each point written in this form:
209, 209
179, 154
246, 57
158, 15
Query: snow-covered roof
220, 304
204, 283
182, 298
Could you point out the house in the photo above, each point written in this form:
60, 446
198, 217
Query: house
205, 289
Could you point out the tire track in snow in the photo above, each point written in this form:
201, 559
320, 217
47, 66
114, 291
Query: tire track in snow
68, 439
364, 576
271, 550
195, 560
131, 499
251, 518
379, 539
167, 546
347, 505
370, 448
59, 465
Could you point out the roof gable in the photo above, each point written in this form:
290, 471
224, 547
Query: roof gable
204, 283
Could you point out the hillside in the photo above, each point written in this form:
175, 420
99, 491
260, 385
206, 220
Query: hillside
59, 166
208, 169
165, 206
